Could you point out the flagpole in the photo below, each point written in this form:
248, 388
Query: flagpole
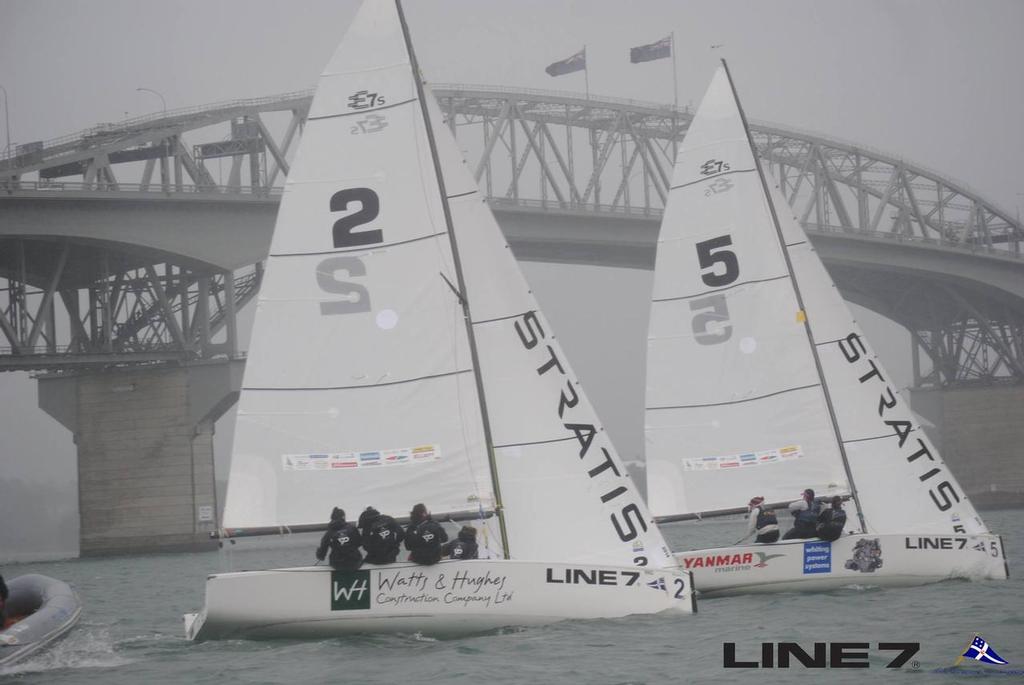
675, 81
586, 72
675, 98
961, 657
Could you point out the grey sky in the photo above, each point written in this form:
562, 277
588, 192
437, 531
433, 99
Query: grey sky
934, 81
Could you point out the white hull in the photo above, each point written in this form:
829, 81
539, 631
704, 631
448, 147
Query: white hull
815, 565
450, 598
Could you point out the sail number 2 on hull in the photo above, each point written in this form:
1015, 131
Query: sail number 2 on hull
355, 297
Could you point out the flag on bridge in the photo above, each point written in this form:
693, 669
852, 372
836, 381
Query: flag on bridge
979, 650
577, 62
658, 50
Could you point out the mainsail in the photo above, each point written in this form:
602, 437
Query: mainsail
759, 380
398, 355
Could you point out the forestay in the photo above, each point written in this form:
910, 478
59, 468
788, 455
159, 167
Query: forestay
361, 344
820, 387
735, 407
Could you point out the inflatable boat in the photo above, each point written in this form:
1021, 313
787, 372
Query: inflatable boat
39, 611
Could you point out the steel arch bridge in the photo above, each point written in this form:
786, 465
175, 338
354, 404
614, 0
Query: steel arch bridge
541, 153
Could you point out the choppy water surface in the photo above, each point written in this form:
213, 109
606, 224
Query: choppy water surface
131, 631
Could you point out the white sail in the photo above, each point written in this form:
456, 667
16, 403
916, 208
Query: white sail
399, 372
902, 483
848, 415
554, 460
734, 405
359, 387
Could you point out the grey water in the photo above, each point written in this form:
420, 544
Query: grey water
132, 631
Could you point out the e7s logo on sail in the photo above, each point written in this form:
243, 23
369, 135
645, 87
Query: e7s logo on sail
350, 590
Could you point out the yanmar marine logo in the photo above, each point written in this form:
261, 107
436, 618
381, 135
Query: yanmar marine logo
730, 562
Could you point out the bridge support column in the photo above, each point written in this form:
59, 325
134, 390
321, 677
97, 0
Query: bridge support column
145, 452
980, 433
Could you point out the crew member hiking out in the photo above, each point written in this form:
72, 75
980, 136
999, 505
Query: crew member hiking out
382, 536
805, 517
343, 540
424, 536
761, 521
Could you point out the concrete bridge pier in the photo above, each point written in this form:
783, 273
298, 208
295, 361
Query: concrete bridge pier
145, 452
980, 433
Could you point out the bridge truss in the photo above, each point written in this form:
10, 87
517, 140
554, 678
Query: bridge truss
114, 306
534, 150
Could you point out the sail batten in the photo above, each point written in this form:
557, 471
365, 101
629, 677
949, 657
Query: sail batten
713, 176
350, 114
737, 401
720, 290
367, 385
360, 250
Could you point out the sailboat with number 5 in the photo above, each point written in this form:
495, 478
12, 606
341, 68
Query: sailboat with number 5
760, 383
398, 356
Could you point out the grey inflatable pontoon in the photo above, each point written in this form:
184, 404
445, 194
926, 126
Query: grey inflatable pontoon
50, 609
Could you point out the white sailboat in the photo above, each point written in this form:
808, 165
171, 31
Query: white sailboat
398, 356
760, 382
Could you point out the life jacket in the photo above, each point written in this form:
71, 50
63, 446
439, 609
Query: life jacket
765, 518
808, 518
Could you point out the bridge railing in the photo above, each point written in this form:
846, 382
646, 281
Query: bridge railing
448, 89
101, 130
153, 188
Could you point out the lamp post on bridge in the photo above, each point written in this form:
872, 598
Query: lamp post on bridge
7, 125
162, 101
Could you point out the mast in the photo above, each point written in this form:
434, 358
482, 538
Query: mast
799, 300
488, 440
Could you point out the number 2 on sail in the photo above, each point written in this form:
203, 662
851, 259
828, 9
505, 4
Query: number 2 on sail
355, 297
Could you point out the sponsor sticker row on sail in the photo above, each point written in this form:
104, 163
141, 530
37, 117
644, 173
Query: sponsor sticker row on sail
761, 458
354, 460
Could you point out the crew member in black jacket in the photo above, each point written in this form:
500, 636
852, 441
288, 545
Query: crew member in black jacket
382, 536
424, 536
343, 539
831, 522
464, 546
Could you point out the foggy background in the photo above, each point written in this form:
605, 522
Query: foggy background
937, 82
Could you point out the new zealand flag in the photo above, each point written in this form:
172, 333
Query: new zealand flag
646, 53
577, 62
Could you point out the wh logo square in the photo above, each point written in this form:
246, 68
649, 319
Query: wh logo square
350, 590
